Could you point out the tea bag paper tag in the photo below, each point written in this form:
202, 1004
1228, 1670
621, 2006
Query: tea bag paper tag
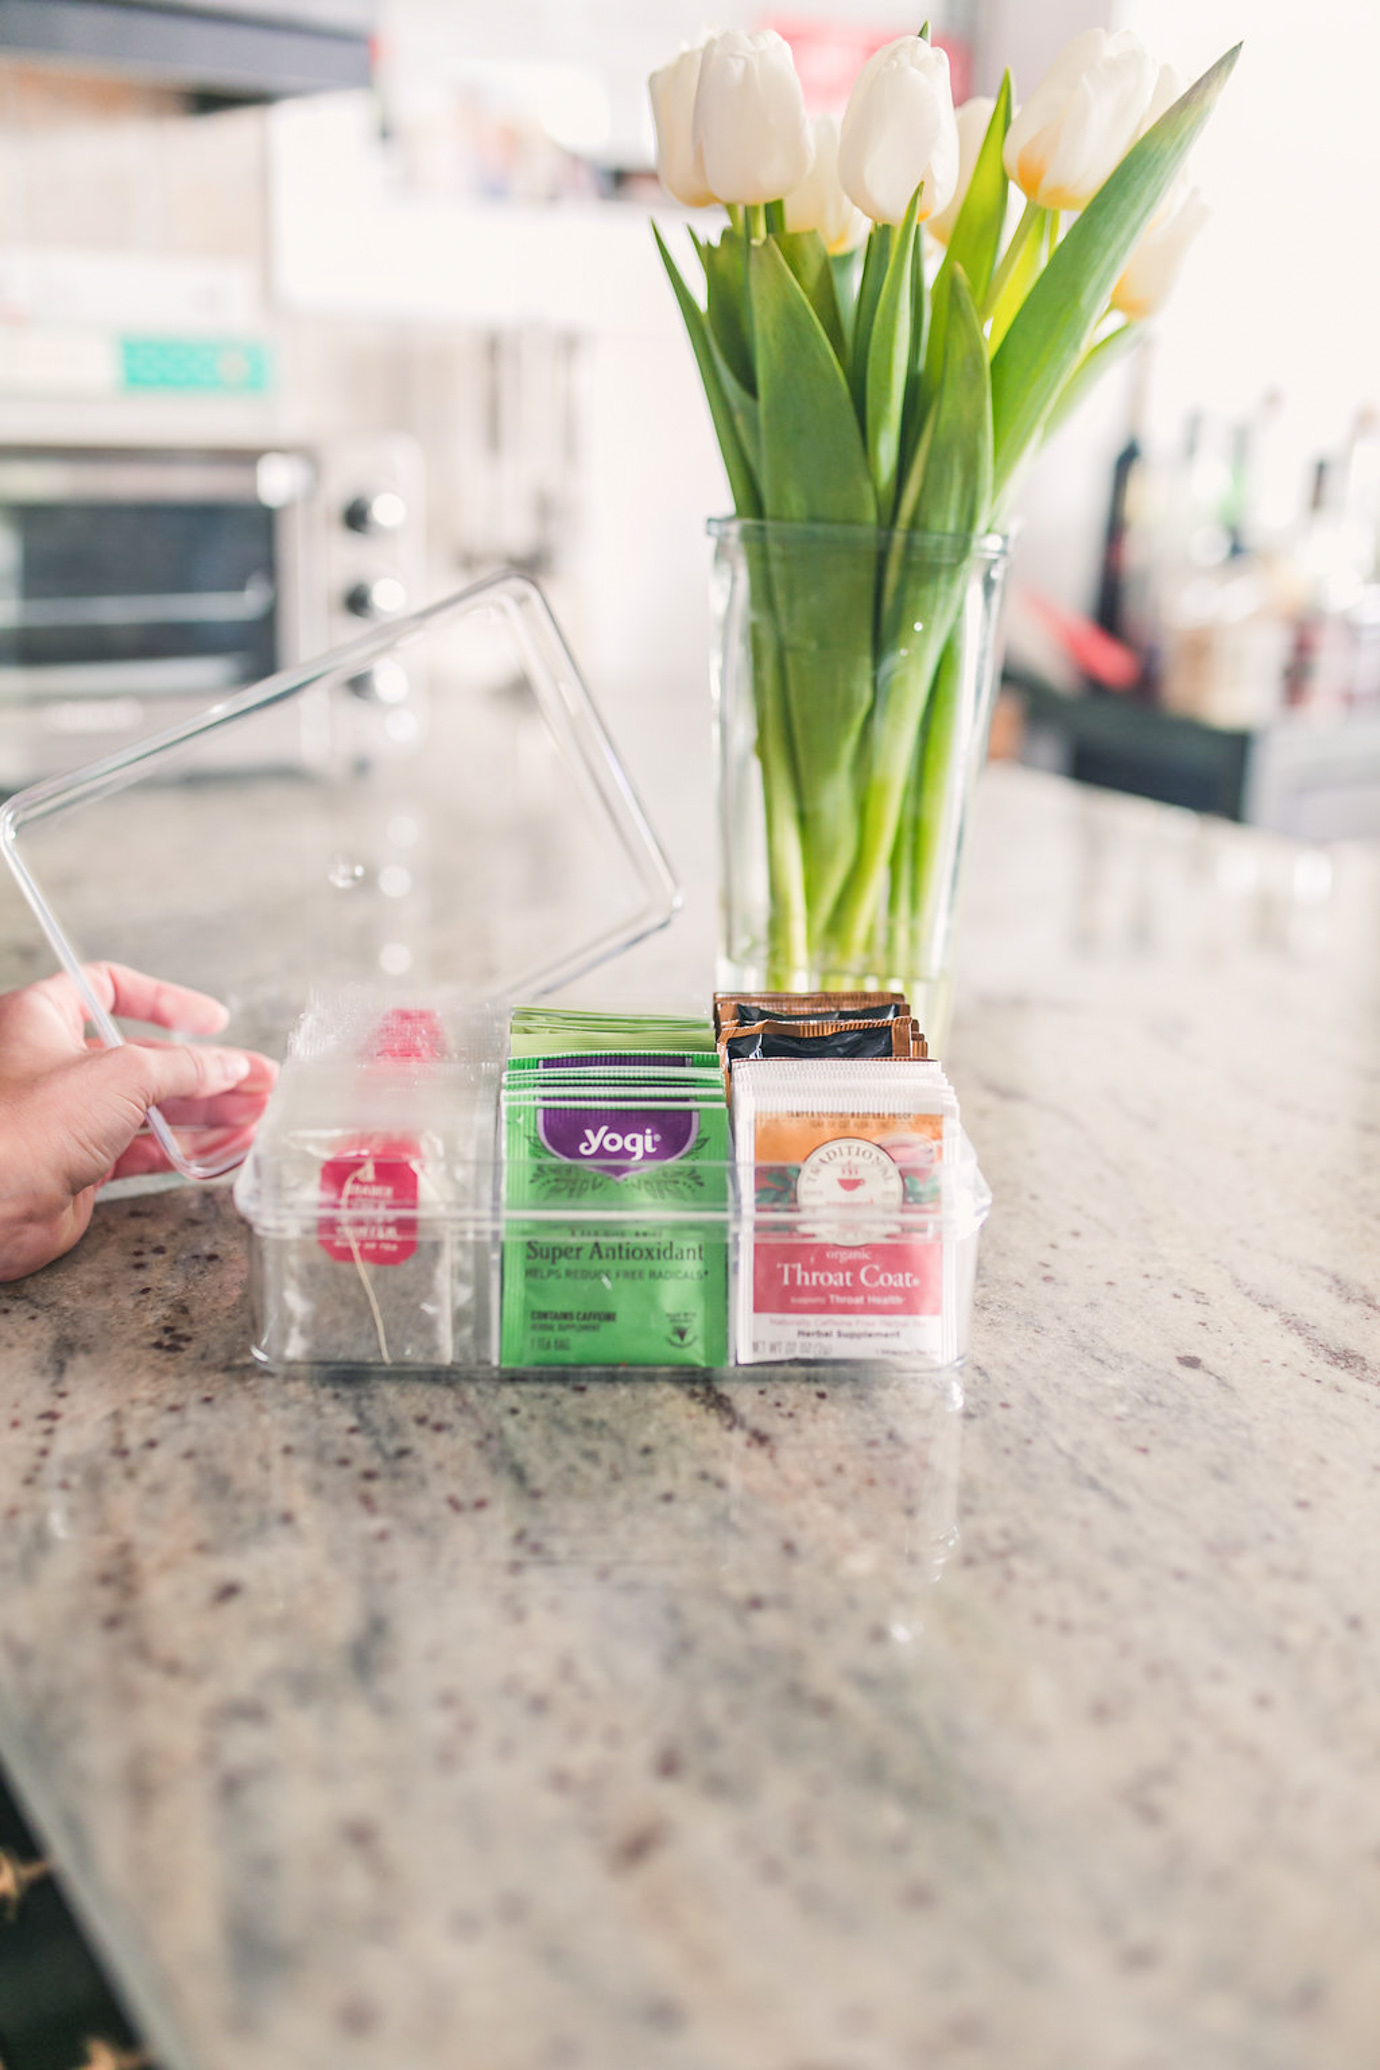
368, 1208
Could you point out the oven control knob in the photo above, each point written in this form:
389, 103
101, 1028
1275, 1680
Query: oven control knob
384, 597
378, 510
385, 683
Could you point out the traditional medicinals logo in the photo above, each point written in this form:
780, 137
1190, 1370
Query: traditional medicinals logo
617, 1141
855, 1179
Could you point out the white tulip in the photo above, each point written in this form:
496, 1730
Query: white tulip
1153, 266
819, 202
1081, 119
973, 119
750, 126
898, 131
1167, 90
679, 163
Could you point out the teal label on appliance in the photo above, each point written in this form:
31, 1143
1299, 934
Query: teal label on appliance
196, 366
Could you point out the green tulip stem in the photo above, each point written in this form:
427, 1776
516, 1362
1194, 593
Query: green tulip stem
788, 915
788, 923
899, 959
1032, 215
944, 780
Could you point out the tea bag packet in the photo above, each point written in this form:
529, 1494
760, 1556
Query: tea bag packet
896, 1038
615, 1195
551, 1031
734, 1009
355, 1180
846, 1250
676, 1071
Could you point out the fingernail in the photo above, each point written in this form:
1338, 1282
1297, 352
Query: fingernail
229, 1066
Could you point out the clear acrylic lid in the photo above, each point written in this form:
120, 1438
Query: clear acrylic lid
436, 804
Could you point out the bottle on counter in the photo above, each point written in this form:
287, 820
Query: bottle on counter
1120, 608
1227, 625
1335, 658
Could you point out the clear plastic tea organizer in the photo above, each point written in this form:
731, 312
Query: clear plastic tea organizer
370, 859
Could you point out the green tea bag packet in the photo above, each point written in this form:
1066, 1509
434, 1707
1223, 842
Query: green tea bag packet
542, 1031
615, 1225
676, 1071
847, 1249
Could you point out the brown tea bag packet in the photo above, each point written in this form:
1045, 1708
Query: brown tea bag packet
736, 1007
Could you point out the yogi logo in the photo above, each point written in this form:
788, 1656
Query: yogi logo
617, 1141
857, 1180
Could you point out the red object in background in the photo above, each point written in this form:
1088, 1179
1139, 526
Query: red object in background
829, 56
1104, 659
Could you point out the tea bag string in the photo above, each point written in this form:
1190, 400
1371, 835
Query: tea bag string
362, 1270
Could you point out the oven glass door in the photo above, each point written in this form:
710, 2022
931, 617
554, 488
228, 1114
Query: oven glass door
134, 589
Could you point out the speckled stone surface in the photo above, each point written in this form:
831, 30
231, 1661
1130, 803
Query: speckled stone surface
485, 1726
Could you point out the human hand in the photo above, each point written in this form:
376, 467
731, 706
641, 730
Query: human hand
72, 1112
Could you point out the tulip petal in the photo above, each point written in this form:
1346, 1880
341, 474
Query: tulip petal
679, 161
1085, 113
1051, 330
749, 123
899, 132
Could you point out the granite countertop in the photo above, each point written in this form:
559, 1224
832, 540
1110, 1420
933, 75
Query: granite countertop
510, 1726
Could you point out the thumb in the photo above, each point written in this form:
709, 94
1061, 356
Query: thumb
148, 1072
118, 1086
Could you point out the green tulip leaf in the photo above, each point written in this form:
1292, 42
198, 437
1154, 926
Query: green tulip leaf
1096, 361
814, 468
976, 237
1051, 331
822, 586
888, 362
725, 270
947, 492
846, 268
949, 485
916, 401
805, 253
875, 258
1021, 266
744, 408
742, 480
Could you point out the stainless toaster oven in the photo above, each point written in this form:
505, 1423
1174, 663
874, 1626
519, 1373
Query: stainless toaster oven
137, 586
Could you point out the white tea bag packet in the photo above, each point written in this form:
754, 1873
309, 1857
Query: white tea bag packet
845, 1171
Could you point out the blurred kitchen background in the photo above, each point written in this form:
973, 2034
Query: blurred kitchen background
312, 309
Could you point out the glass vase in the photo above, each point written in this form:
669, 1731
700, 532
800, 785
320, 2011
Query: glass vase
853, 672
